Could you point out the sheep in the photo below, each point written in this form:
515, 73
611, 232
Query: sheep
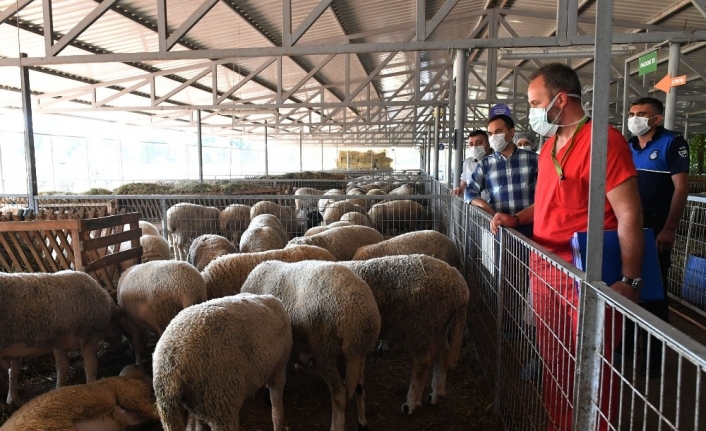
397, 215
426, 298
356, 218
154, 247
264, 233
384, 186
343, 241
307, 204
206, 248
428, 242
225, 275
146, 227
323, 203
186, 221
357, 191
151, 294
233, 221
404, 189
319, 229
333, 312
285, 214
41, 312
334, 211
115, 403
215, 354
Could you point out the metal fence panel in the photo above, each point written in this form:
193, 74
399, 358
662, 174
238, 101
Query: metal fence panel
687, 274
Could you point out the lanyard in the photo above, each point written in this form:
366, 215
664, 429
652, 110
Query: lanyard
557, 163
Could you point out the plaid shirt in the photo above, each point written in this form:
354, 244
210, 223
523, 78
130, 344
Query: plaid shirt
510, 182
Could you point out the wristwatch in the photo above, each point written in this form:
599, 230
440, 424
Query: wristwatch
636, 283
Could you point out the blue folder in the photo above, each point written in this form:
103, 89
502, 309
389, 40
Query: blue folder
612, 263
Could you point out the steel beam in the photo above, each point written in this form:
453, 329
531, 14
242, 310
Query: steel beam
442, 13
286, 22
79, 28
701, 6
48, 18
245, 80
420, 21
162, 24
461, 75
182, 86
670, 107
200, 144
30, 160
122, 93
13, 9
309, 20
190, 22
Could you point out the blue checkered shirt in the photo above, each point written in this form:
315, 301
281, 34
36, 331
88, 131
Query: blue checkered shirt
510, 182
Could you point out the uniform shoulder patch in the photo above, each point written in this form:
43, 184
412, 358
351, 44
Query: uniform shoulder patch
683, 151
654, 154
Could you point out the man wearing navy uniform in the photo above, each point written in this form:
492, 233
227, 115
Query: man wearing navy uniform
661, 157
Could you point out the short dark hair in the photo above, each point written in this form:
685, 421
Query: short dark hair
656, 104
505, 118
478, 132
558, 77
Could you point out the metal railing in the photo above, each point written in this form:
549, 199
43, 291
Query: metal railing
687, 274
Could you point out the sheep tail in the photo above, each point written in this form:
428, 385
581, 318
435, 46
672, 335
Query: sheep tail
354, 374
172, 413
457, 326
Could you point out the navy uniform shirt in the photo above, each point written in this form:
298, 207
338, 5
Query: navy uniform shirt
665, 155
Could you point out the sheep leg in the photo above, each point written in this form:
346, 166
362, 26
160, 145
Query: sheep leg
438, 381
62, 366
275, 384
89, 351
420, 370
14, 374
360, 400
138, 340
329, 372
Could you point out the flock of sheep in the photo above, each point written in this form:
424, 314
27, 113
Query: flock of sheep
232, 310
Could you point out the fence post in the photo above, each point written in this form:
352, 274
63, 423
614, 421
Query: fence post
499, 321
163, 208
692, 216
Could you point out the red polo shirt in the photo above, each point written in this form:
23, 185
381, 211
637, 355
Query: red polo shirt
561, 206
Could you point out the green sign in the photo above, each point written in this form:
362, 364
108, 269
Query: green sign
648, 63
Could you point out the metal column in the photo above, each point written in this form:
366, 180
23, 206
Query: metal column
29, 138
429, 152
587, 379
670, 108
436, 142
626, 93
266, 159
301, 153
460, 120
450, 143
200, 144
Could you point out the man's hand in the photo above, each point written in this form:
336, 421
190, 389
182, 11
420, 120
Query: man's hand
626, 290
458, 191
501, 219
665, 240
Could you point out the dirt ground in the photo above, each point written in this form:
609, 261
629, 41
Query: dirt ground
467, 406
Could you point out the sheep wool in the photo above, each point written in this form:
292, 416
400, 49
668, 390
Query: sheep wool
226, 275
342, 242
265, 233
39, 311
285, 214
151, 294
333, 312
115, 403
187, 221
428, 242
356, 218
335, 210
306, 204
206, 248
234, 219
397, 216
246, 339
427, 299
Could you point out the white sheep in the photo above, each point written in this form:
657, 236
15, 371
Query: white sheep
151, 294
319, 229
342, 242
335, 210
206, 248
398, 216
333, 313
216, 354
226, 275
154, 247
323, 203
356, 218
428, 242
114, 403
426, 298
285, 214
186, 221
234, 219
265, 232
42, 312
304, 205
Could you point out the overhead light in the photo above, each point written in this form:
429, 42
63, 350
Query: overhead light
559, 52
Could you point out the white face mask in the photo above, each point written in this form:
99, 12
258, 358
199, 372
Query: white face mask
478, 152
539, 122
498, 142
638, 125
526, 147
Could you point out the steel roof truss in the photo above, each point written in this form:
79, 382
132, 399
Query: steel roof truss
122, 92
701, 6
182, 86
247, 79
190, 22
14, 8
79, 28
309, 20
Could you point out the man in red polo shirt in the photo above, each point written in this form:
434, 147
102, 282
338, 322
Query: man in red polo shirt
560, 209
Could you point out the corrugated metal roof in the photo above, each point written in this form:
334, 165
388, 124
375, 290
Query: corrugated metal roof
131, 25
